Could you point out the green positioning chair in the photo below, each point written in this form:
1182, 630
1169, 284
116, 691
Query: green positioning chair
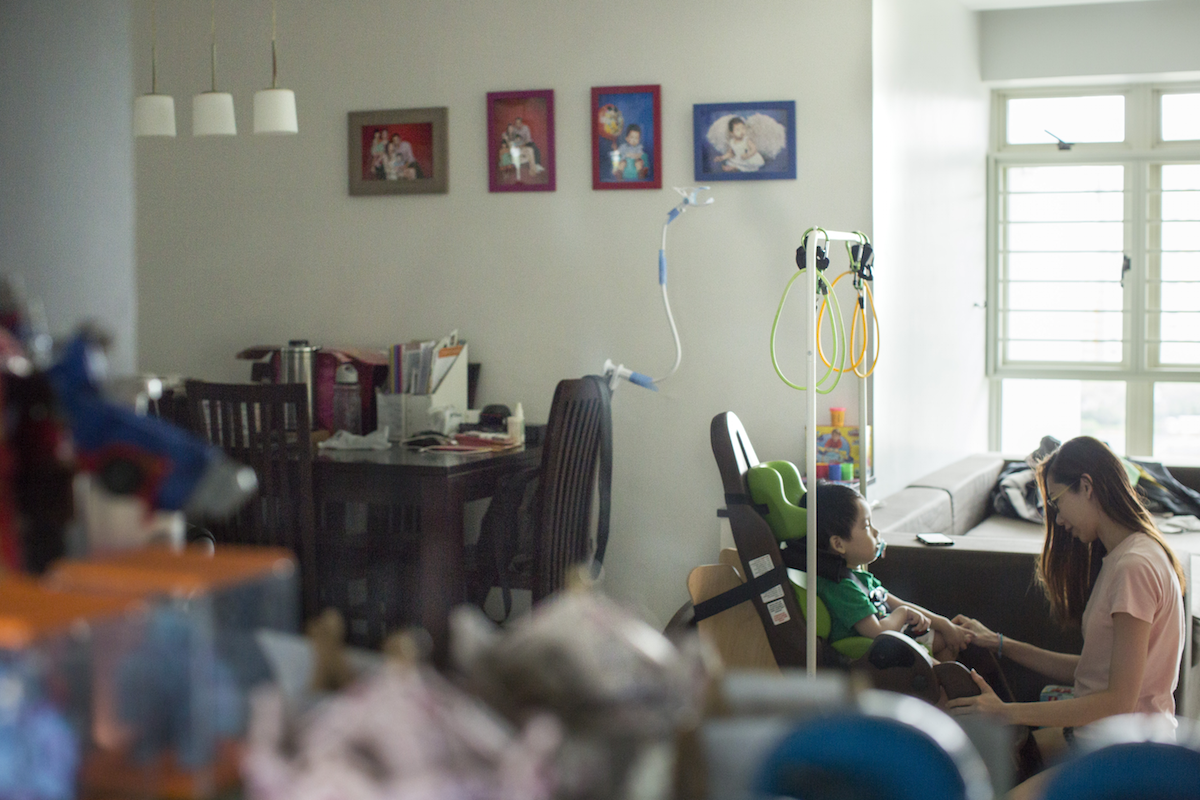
776, 489
761, 502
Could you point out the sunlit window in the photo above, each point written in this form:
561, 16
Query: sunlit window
1180, 117
1094, 304
1062, 236
1174, 322
1062, 409
1177, 421
1038, 120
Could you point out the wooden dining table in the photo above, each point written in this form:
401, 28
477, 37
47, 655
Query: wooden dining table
438, 484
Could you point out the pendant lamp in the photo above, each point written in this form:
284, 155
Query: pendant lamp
275, 108
212, 111
154, 113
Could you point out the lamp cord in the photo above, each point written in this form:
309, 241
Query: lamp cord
274, 58
213, 50
153, 47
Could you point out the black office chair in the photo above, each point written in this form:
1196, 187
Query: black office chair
250, 423
555, 516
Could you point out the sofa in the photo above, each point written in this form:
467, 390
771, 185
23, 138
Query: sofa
988, 572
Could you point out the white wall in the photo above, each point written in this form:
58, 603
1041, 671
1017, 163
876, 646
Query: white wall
252, 240
66, 163
930, 148
1110, 39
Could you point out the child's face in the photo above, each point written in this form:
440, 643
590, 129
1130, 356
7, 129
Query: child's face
738, 130
860, 549
633, 138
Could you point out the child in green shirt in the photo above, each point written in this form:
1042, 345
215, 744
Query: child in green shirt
858, 604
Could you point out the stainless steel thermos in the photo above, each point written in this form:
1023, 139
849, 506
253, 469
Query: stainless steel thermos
297, 364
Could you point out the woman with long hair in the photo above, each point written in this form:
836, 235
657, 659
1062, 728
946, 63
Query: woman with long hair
1105, 568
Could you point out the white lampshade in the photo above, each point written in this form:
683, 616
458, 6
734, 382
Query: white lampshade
275, 111
154, 115
212, 114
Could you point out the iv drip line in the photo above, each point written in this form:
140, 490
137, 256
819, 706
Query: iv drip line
689, 199
615, 372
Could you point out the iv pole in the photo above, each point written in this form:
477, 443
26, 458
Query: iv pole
810, 452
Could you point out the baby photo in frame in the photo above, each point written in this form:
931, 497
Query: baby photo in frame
520, 141
626, 145
398, 151
745, 141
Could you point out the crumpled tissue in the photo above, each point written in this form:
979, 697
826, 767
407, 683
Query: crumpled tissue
345, 440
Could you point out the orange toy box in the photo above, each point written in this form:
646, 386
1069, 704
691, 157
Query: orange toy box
181, 689
54, 691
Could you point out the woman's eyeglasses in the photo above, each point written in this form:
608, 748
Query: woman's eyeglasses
1052, 500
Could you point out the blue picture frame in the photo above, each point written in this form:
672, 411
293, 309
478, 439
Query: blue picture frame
764, 150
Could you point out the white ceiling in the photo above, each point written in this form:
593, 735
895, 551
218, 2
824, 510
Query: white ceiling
986, 5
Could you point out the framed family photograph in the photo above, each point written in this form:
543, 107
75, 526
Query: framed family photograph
401, 151
745, 141
626, 145
520, 141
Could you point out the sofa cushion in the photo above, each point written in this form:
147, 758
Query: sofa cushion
914, 510
968, 484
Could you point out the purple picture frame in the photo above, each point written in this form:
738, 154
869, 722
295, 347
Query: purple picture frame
520, 141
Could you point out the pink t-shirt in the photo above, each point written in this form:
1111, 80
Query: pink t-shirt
1136, 578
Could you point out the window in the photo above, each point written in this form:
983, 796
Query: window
1094, 269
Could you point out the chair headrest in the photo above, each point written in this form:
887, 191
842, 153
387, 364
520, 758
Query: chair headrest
778, 486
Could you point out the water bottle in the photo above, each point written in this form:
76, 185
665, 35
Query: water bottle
347, 401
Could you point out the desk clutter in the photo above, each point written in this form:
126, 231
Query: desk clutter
406, 388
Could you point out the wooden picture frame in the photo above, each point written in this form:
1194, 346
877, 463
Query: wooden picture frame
412, 158
520, 141
626, 137
767, 149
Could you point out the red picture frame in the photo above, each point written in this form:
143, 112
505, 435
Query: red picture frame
520, 141
626, 123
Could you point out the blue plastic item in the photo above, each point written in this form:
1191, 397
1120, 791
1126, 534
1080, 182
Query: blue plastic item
1128, 771
859, 757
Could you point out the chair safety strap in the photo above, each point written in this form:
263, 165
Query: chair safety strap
739, 499
739, 594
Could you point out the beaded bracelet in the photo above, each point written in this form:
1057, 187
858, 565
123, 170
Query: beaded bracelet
1000, 649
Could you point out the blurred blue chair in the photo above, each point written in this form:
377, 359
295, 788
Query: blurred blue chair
892, 748
1130, 757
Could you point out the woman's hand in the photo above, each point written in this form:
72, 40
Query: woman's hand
981, 634
987, 702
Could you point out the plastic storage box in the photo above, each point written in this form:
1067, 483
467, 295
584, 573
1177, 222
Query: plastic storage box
182, 688
53, 687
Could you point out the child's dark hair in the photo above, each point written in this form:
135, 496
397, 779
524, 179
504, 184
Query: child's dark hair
632, 127
733, 122
837, 511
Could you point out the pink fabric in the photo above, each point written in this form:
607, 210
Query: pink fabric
1136, 579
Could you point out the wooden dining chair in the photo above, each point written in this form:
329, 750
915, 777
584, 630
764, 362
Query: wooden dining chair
249, 422
534, 543
577, 450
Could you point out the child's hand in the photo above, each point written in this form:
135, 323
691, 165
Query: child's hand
980, 633
918, 621
957, 637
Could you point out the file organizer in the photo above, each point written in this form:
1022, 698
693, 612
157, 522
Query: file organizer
408, 414
180, 688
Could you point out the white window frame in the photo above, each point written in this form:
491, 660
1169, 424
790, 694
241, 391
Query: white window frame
1142, 148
